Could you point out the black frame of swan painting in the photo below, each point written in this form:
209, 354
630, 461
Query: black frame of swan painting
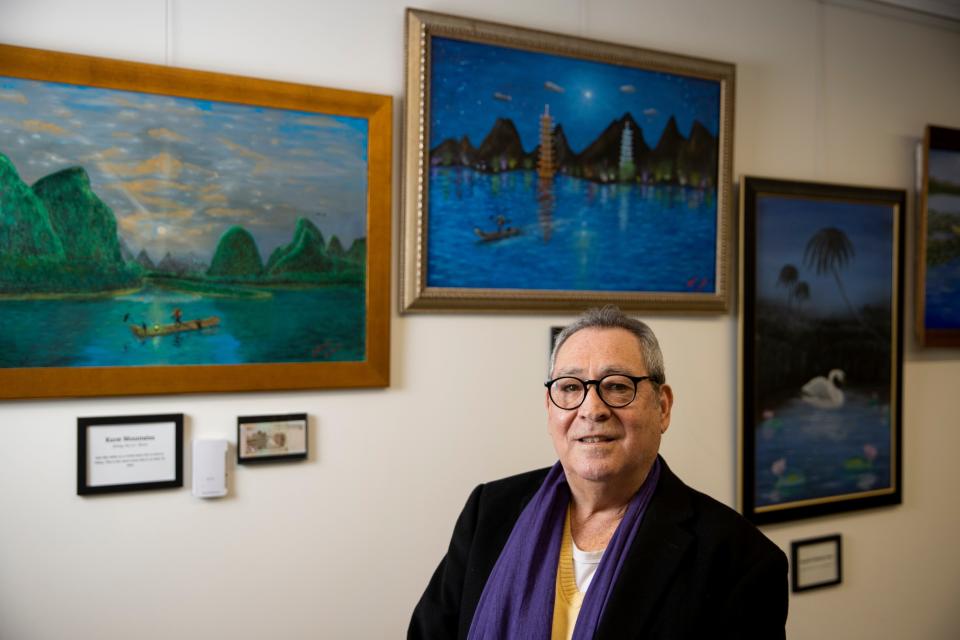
821, 326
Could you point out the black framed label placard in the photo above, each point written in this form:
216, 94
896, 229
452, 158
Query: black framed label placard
816, 562
129, 453
272, 438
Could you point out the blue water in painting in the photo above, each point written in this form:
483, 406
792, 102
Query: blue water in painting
575, 234
291, 325
823, 449
943, 296
942, 308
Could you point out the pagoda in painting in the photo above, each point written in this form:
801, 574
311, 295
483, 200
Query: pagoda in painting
628, 170
546, 163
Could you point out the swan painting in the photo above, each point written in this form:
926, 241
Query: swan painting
823, 392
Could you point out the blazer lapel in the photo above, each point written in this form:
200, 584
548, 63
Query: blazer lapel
652, 563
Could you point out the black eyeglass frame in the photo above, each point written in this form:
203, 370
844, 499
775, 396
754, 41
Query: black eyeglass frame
596, 384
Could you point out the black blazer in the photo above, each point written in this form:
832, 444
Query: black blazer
697, 569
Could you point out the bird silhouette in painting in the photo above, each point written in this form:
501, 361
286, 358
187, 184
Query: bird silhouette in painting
825, 392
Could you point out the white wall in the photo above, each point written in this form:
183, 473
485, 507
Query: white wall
341, 546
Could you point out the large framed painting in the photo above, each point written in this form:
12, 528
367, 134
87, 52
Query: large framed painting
938, 240
821, 317
167, 231
549, 172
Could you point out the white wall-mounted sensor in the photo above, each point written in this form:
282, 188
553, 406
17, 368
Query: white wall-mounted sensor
209, 468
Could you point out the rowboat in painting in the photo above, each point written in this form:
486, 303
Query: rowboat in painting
143, 331
499, 234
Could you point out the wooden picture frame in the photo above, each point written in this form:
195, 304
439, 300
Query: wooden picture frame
122, 285
938, 239
821, 319
129, 453
549, 172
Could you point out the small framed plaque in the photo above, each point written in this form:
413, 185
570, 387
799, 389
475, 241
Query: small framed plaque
270, 438
129, 453
816, 563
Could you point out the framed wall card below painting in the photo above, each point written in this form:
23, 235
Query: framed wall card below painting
549, 172
938, 240
816, 563
821, 318
272, 438
129, 453
167, 231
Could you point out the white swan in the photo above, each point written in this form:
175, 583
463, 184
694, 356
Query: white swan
823, 392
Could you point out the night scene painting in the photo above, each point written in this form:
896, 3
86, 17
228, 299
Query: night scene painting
550, 172
826, 360
942, 268
140, 229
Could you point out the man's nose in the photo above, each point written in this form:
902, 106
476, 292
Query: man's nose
593, 405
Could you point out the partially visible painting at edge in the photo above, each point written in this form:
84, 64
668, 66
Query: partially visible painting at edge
938, 240
165, 230
821, 348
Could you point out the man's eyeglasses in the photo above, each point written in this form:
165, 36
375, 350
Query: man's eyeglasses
616, 390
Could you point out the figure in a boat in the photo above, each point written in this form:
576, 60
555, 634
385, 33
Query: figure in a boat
179, 325
502, 231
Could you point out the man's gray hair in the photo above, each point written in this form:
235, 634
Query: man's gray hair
611, 317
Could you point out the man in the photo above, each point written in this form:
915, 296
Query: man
608, 543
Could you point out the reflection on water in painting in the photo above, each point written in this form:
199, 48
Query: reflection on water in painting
807, 452
288, 325
515, 231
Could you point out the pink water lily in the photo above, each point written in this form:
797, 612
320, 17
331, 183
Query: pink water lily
779, 466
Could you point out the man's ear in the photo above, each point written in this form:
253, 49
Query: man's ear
666, 406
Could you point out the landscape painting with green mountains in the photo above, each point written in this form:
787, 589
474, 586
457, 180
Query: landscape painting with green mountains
140, 230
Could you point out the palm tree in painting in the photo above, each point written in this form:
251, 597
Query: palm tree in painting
829, 251
788, 278
801, 292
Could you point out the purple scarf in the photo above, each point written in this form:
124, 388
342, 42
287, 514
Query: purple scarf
517, 601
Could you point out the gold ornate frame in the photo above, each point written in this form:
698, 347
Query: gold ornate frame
417, 295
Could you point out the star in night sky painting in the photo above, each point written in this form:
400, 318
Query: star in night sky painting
559, 173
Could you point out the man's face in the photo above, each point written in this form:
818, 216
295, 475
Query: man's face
594, 442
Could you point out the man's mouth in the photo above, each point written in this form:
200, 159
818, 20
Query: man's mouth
594, 439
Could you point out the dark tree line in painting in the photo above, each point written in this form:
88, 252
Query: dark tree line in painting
795, 345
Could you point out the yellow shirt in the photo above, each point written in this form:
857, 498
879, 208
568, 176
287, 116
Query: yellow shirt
566, 603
